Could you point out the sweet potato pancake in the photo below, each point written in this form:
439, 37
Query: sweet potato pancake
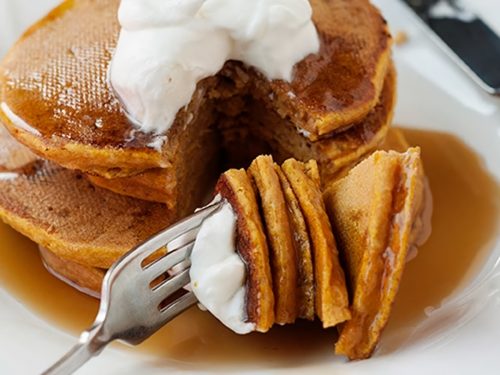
284, 259
331, 293
375, 210
251, 243
302, 241
60, 210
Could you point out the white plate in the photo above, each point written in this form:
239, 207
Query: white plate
459, 336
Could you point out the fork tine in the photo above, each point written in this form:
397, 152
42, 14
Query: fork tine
178, 306
140, 253
174, 232
170, 286
162, 265
183, 239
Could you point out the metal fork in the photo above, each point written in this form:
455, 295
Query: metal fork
133, 304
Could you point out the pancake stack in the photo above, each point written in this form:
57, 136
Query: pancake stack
81, 181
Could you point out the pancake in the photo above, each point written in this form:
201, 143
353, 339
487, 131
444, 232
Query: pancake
332, 153
331, 293
155, 185
236, 187
302, 242
375, 211
283, 254
56, 98
312, 171
60, 210
85, 279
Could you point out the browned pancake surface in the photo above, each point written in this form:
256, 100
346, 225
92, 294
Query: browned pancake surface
374, 209
341, 84
303, 246
331, 292
280, 237
62, 211
235, 186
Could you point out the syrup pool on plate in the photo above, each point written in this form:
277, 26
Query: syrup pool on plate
465, 223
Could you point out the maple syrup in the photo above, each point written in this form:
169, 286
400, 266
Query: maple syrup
465, 222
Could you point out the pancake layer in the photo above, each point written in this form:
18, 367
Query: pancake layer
63, 212
283, 254
236, 187
375, 211
331, 294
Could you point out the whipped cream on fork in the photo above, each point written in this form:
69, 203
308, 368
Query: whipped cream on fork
218, 274
167, 46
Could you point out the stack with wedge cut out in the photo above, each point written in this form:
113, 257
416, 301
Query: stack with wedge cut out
296, 254
57, 101
323, 234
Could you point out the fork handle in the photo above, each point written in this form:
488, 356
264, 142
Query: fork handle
88, 347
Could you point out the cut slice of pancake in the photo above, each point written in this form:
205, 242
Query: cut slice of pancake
374, 210
279, 233
236, 187
63, 212
332, 305
181, 187
57, 100
303, 245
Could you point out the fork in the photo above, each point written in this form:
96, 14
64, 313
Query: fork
134, 304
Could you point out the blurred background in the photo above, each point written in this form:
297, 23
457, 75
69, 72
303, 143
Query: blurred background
17, 15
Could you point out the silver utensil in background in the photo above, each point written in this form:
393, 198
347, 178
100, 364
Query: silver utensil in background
467, 39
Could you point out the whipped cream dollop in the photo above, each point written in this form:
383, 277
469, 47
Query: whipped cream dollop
167, 46
218, 274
